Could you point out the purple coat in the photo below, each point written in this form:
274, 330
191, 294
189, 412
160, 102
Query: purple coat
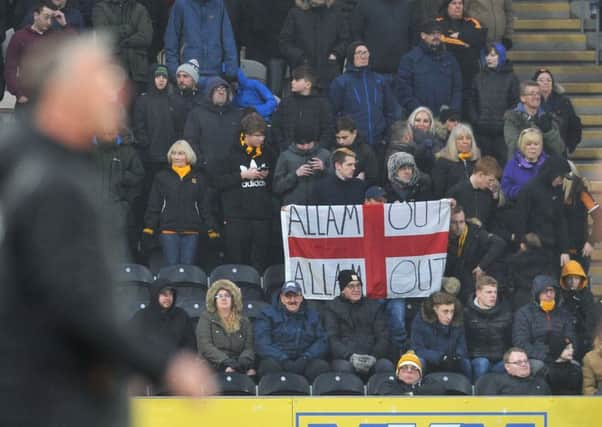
518, 172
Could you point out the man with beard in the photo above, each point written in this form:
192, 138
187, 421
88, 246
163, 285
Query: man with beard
428, 75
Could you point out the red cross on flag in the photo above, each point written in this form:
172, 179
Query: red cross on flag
398, 249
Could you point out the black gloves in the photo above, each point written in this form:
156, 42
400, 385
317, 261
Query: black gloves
544, 122
450, 363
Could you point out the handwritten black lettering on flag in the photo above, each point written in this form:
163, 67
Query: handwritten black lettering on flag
398, 249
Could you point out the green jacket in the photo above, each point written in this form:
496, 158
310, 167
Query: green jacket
219, 348
130, 24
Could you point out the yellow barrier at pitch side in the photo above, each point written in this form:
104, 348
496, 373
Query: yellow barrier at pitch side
370, 412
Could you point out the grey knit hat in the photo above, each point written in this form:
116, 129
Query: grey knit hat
398, 160
191, 68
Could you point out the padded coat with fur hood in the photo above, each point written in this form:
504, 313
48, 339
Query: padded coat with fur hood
218, 347
431, 339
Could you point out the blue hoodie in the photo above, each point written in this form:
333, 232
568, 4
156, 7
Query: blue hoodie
253, 93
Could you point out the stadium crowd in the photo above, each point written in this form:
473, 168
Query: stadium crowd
389, 101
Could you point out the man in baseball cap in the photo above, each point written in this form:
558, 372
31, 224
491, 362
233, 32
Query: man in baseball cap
289, 336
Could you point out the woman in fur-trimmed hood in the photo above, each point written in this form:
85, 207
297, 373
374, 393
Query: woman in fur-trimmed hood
224, 335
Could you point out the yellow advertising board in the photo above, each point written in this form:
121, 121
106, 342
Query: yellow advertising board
369, 412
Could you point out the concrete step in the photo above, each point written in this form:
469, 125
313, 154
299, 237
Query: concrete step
562, 56
592, 135
547, 24
541, 10
587, 104
549, 41
587, 153
563, 73
573, 88
591, 170
591, 120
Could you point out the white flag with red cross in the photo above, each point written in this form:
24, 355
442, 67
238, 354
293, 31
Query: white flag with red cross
398, 249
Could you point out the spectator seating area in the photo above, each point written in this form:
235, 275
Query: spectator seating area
337, 384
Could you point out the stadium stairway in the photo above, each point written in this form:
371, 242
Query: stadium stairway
552, 34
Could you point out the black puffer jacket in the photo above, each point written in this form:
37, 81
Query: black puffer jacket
178, 204
384, 26
212, 130
310, 35
356, 328
533, 328
310, 115
493, 92
540, 210
488, 332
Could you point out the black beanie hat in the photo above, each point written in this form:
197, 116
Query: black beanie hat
351, 51
348, 276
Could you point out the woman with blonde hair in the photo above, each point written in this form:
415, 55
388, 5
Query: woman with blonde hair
456, 160
525, 164
178, 206
224, 336
425, 137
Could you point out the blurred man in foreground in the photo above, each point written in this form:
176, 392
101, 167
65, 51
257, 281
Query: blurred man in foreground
63, 354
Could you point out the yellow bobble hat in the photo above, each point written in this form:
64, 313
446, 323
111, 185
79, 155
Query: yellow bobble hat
409, 358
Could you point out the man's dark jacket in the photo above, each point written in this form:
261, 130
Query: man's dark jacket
384, 25
211, 129
488, 332
356, 328
164, 329
62, 347
533, 328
